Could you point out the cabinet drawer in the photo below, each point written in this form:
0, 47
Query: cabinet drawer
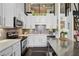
6, 51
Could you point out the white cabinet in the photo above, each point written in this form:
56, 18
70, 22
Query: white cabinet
13, 50
17, 49
1, 14
8, 22
37, 40
8, 14
50, 21
8, 11
28, 22
0, 9
6, 52
19, 10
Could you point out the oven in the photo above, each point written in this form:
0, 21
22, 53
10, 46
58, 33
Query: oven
23, 45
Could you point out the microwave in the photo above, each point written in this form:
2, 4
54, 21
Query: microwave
17, 23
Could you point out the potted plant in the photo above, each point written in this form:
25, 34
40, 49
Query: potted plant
63, 36
64, 33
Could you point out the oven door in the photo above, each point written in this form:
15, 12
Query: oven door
24, 43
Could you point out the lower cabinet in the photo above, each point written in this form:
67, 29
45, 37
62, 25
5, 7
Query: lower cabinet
6, 52
17, 49
13, 50
37, 40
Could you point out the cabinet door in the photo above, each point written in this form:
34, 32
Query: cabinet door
8, 14
28, 22
17, 49
8, 22
6, 52
0, 21
1, 14
24, 22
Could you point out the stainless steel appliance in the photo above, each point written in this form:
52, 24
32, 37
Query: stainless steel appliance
23, 45
12, 35
17, 23
40, 28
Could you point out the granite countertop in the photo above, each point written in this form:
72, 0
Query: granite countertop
59, 50
7, 42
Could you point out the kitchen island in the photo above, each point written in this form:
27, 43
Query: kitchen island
59, 50
10, 47
37, 40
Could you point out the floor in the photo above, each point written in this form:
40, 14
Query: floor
37, 51
76, 50
42, 51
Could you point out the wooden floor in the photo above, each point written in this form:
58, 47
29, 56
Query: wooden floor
40, 51
76, 50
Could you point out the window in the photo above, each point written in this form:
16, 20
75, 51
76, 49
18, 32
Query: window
67, 9
39, 8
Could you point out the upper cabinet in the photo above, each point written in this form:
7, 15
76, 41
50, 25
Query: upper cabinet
37, 9
9, 10
1, 9
8, 14
19, 9
40, 14
1, 13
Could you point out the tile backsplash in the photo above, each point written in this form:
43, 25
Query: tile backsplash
2, 34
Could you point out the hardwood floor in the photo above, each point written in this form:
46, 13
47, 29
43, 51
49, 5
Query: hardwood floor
76, 50
37, 51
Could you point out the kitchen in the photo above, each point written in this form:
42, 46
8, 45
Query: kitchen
29, 29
